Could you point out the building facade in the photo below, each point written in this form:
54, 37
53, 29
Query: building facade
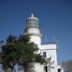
49, 51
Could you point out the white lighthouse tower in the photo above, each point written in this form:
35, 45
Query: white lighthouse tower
32, 28
49, 50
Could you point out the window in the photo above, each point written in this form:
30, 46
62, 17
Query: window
59, 70
44, 54
45, 68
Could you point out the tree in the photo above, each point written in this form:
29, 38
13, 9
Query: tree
20, 51
67, 65
1, 51
27, 53
9, 54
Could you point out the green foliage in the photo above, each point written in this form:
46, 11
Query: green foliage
11, 39
9, 53
21, 51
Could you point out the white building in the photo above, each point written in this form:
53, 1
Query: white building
49, 51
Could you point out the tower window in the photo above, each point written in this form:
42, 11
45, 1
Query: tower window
45, 68
59, 70
44, 54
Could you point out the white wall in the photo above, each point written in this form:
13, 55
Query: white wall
51, 51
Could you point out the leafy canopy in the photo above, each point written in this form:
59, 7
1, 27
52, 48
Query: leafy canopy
20, 50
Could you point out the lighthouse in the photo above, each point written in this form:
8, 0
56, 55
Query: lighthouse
47, 50
32, 29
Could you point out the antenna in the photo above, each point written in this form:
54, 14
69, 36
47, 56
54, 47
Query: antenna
54, 38
46, 41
